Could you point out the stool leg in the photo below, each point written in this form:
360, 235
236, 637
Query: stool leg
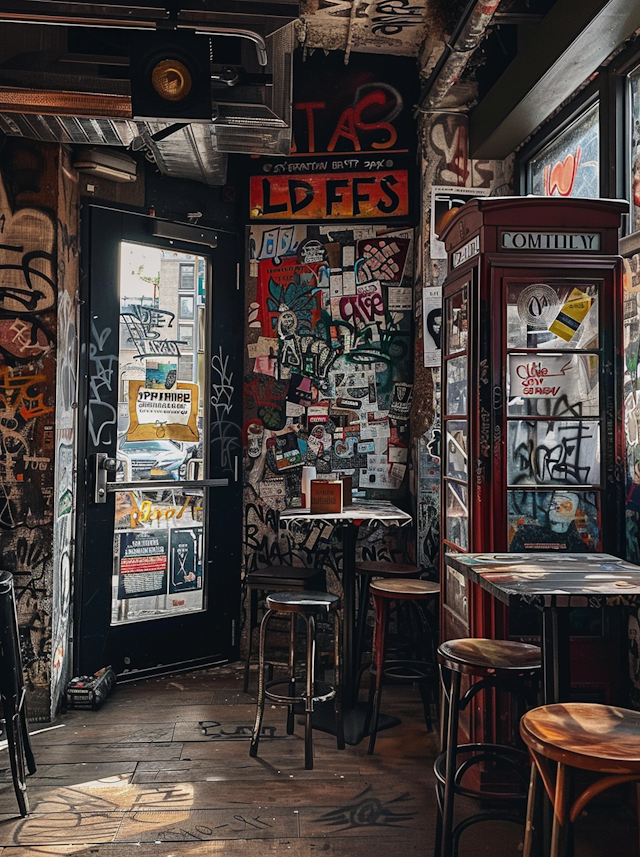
530, 824
28, 752
292, 673
361, 623
253, 621
337, 678
380, 641
450, 765
561, 823
424, 686
257, 726
437, 839
311, 659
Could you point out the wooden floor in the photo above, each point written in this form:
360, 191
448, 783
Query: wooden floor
164, 769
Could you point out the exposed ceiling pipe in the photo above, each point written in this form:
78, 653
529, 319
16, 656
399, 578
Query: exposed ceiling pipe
469, 32
86, 19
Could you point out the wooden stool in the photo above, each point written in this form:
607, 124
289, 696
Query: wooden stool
501, 664
583, 735
308, 605
425, 673
276, 578
366, 571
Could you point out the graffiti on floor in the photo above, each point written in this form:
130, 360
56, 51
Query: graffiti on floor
214, 730
368, 811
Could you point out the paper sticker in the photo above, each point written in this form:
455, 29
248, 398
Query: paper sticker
398, 454
401, 401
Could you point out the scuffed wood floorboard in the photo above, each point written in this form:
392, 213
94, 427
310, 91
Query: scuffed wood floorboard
163, 770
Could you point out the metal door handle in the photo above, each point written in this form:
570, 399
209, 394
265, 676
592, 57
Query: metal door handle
102, 464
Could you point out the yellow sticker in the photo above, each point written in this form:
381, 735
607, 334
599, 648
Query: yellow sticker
571, 315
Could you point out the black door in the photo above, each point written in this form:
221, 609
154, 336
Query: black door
158, 559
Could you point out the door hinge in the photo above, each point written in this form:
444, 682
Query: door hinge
237, 276
233, 632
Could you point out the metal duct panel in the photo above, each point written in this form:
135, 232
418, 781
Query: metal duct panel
69, 129
281, 46
187, 153
251, 141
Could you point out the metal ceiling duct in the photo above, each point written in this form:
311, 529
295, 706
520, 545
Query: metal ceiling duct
254, 117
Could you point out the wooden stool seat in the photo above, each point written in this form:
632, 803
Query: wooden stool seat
410, 589
585, 735
387, 569
502, 658
582, 735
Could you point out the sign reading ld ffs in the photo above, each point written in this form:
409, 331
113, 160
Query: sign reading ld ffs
339, 196
572, 241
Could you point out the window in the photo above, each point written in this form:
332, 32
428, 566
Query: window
187, 277
185, 335
186, 306
634, 170
570, 164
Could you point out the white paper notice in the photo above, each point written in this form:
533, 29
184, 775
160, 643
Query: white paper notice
348, 283
348, 256
399, 297
432, 325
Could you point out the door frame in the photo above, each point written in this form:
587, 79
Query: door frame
216, 628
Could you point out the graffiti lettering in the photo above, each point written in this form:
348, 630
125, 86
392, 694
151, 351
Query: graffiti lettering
225, 433
144, 325
103, 367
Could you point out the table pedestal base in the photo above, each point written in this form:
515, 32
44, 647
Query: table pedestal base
324, 719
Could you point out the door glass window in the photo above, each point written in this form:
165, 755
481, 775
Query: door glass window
555, 452
158, 537
562, 316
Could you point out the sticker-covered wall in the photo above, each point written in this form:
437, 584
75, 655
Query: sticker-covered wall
328, 381
330, 299
37, 253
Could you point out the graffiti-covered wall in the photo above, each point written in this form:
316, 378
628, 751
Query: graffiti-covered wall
38, 252
446, 168
328, 380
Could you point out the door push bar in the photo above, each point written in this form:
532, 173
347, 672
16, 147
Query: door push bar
104, 465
